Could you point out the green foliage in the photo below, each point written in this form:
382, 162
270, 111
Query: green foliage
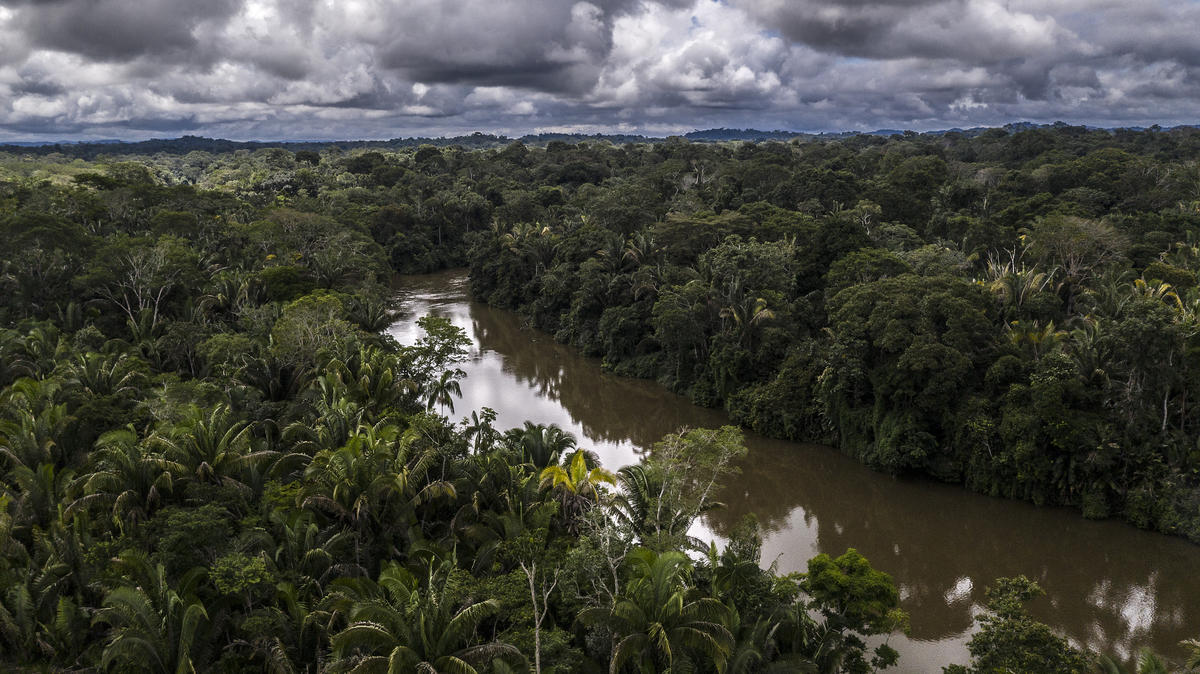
659, 623
398, 624
857, 601
1009, 640
663, 495
238, 574
284, 283
211, 458
309, 325
909, 301
848, 589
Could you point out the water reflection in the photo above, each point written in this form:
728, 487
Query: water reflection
1110, 587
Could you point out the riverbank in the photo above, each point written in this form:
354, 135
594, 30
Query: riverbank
1110, 587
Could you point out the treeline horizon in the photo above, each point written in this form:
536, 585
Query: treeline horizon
114, 149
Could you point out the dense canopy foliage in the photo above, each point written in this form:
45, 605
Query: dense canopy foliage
212, 458
1018, 314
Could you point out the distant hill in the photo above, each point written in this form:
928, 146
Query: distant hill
186, 144
40, 143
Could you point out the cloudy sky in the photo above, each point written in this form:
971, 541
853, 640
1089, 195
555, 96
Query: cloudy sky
330, 69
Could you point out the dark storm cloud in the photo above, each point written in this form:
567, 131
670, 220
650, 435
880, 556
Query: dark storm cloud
35, 83
381, 68
560, 47
977, 32
850, 27
122, 29
1149, 32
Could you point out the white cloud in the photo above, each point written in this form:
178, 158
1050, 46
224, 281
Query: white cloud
378, 68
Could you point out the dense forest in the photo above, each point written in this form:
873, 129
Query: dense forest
212, 458
1014, 313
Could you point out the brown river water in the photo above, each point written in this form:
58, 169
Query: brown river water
1109, 586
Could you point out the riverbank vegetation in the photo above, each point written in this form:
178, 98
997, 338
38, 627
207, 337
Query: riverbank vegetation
212, 458
1017, 314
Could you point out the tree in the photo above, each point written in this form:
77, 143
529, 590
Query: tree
663, 495
308, 156
1193, 661
1148, 662
138, 278
210, 449
443, 389
126, 477
541, 445
152, 626
398, 624
578, 483
542, 572
434, 357
479, 429
1076, 249
661, 624
857, 601
1009, 640
309, 325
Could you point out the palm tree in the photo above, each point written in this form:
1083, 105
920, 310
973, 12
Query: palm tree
13, 363
578, 483
372, 378
640, 506
746, 315
152, 626
1148, 662
377, 480
660, 624
40, 614
38, 492
146, 335
104, 374
303, 547
229, 291
1193, 661
373, 314
641, 248
506, 504
32, 433
1041, 338
304, 635
1014, 285
479, 430
19, 626
43, 347
396, 625
275, 378
351, 484
533, 242
1091, 348
443, 389
213, 449
757, 648
541, 445
125, 476
13, 553
336, 420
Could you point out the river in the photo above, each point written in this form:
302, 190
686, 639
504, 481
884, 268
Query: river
1109, 586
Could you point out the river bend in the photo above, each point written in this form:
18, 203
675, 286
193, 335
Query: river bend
1109, 586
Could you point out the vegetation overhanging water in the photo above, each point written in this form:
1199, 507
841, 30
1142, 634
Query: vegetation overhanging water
1110, 586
